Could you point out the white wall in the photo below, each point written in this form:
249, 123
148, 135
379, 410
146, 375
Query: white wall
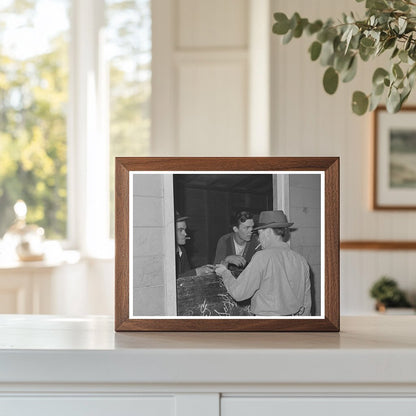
200, 77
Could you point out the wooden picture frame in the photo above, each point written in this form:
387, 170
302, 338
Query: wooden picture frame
394, 158
307, 186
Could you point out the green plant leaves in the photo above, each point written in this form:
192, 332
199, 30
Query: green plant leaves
281, 27
393, 100
339, 44
351, 71
359, 103
314, 27
397, 71
315, 50
330, 80
376, 4
379, 75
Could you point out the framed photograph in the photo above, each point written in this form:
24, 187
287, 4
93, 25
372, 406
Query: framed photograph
394, 181
227, 244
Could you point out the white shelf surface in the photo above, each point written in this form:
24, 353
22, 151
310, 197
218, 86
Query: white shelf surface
53, 349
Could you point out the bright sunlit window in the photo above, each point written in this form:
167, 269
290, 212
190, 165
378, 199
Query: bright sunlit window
129, 46
44, 79
33, 100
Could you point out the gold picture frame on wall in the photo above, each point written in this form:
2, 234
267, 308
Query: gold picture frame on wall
394, 152
157, 196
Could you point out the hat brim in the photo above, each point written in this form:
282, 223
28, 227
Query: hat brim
181, 219
273, 225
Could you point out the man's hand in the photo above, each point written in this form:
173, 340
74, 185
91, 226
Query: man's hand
238, 261
220, 269
206, 269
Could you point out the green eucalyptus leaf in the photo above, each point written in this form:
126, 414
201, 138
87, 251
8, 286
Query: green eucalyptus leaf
332, 33
395, 52
367, 42
374, 102
327, 54
288, 37
376, 4
366, 53
359, 103
350, 73
404, 96
297, 31
314, 27
341, 61
389, 43
412, 52
315, 50
379, 75
397, 71
393, 101
281, 27
322, 36
355, 41
412, 70
400, 5
378, 89
330, 80
403, 56
411, 78
408, 42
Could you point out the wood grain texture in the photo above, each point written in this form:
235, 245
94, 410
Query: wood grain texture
378, 245
329, 165
376, 205
121, 244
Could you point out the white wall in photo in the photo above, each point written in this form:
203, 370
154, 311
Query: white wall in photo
305, 213
153, 245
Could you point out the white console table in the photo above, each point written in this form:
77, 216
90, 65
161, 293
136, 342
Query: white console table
53, 365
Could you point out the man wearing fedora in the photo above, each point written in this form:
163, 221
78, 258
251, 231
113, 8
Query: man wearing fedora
277, 278
183, 268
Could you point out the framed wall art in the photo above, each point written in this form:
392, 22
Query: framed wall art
394, 179
227, 244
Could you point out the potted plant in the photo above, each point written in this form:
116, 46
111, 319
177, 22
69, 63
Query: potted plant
387, 294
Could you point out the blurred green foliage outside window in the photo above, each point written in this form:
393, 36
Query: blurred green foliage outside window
34, 91
33, 98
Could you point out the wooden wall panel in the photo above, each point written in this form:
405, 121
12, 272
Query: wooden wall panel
212, 24
212, 108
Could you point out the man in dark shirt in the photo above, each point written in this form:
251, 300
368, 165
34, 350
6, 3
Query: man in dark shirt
238, 247
183, 267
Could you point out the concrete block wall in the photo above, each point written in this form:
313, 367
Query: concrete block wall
305, 212
149, 286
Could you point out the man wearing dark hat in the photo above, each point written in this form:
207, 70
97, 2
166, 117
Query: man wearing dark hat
277, 278
183, 267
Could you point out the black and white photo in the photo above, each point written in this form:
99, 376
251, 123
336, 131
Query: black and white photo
245, 245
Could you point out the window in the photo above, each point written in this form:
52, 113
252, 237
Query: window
75, 87
129, 46
33, 99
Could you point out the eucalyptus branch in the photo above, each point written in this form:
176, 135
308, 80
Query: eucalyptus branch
388, 26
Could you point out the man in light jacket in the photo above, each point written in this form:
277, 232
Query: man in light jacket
277, 278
